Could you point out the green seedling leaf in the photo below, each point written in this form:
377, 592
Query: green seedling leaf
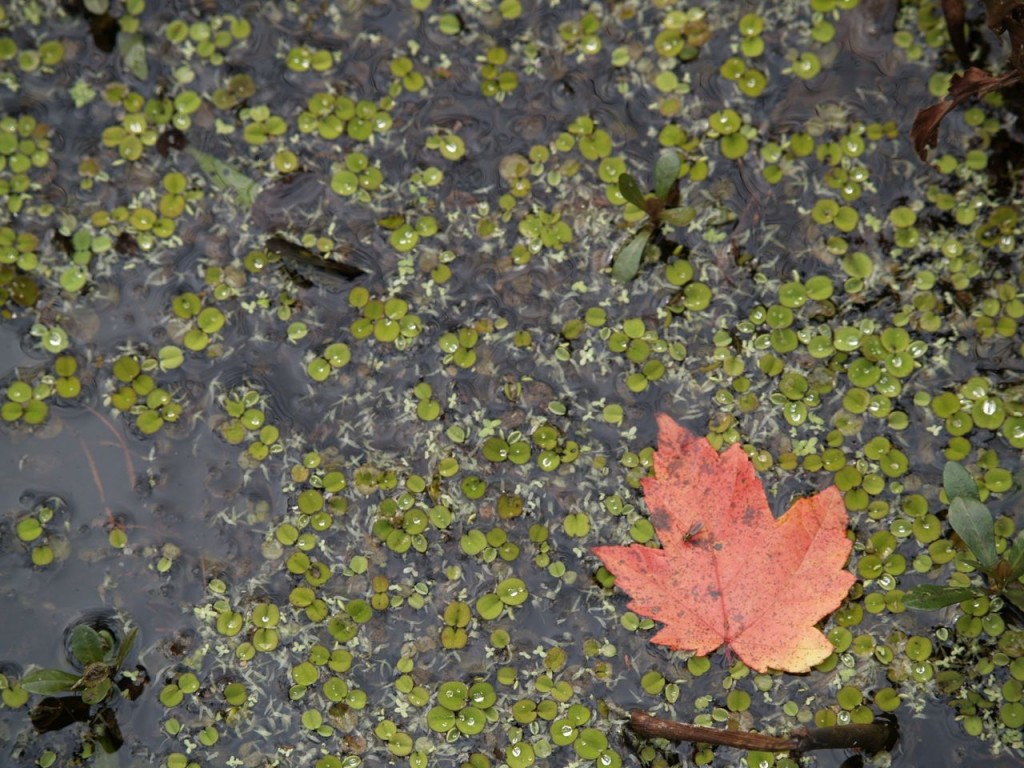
973, 523
225, 177
1015, 594
631, 191
1015, 557
126, 646
94, 694
929, 597
666, 172
627, 261
48, 681
133, 54
957, 481
679, 217
86, 644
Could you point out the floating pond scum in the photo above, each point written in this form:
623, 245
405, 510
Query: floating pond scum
343, 515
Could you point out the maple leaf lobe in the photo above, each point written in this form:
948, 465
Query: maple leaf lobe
755, 583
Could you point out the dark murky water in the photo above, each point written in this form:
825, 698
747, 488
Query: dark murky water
194, 507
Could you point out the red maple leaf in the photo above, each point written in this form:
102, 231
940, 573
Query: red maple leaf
728, 571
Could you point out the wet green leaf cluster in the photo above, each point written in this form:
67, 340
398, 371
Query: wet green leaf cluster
404, 521
246, 424
544, 230
448, 144
645, 349
356, 177
553, 449
330, 116
335, 356
24, 150
18, 261
133, 390
42, 532
582, 35
682, 34
496, 78
210, 38
26, 400
459, 347
303, 58
388, 321
37, 56
143, 227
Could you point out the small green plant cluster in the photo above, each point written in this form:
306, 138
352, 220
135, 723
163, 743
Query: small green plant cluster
101, 657
974, 523
94, 689
246, 423
26, 400
661, 208
39, 531
136, 392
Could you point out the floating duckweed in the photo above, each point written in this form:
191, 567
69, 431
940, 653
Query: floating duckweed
563, 732
520, 754
489, 606
459, 347
918, 648
738, 700
512, 591
590, 743
473, 487
576, 524
806, 65
1012, 714
725, 122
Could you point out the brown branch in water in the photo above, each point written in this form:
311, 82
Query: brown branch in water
955, 15
974, 82
121, 441
97, 481
871, 737
653, 727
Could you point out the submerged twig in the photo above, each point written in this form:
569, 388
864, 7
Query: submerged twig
129, 468
296, 254
870, 737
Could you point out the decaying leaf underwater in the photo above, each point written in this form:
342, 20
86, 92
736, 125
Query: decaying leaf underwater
1001, 16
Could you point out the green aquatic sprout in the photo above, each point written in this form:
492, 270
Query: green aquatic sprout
661, 208
973, 522
226, 178
101, 657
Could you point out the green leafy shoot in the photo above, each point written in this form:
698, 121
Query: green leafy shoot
87, 645
957, 481
49, 681
973, 523
100, 661
661, 208
125, 648
132, 47
226, 178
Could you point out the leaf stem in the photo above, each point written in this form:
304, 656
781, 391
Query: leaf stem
870, 737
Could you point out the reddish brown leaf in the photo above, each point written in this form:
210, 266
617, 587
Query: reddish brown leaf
728, 571
924, 133
955, 15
